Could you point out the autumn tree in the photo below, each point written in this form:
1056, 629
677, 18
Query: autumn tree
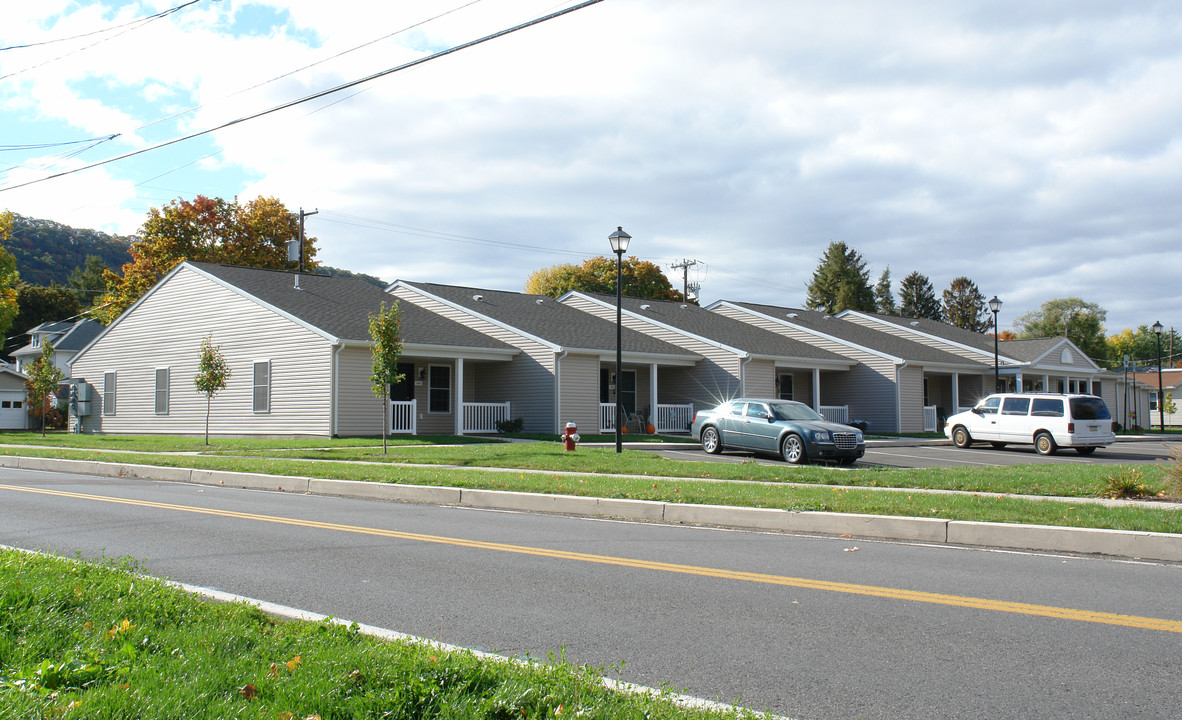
918, 298
1072, 318
9, 277
384, 332
44, 377
964, 306
884, 297
840, 282
1141, 346
638, 279
203, 230
213, 372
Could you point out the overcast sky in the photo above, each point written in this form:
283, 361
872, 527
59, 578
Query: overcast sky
1034, 147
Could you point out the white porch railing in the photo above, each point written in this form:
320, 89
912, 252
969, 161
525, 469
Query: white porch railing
483, 417
404, 416
674, 418
836, 413
930, 418
607, 417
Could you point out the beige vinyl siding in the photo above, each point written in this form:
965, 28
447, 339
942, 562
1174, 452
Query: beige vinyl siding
867, 388
359, 411
164, 331
580, 393
709, 382
527, 381
911, 399
759, 379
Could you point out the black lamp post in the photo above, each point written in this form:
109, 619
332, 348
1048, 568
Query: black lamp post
995, 306
619, 240
1161, 399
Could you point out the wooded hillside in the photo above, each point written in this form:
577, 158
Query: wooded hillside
47, 252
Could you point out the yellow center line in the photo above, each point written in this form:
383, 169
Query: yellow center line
1134, 621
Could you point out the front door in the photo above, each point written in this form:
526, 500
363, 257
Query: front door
627, 390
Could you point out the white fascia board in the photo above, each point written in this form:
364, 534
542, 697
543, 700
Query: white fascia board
457, 352
791, 362
810, 331
1011, 362
663, 326
643, 358
505, 326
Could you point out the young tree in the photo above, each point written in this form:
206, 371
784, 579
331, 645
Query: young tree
638, 278
212, 375
1072, 318
9, 277
965, 306
919, 298
884, 297
840, 282
387, 349
43, 380
204, 230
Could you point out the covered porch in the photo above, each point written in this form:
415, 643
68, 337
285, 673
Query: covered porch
449, 396
642, 402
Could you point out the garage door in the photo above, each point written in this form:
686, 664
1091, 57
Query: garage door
13, 414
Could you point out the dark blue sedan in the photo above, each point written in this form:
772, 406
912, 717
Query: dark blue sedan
792, 430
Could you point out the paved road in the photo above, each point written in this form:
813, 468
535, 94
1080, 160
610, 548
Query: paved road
940, 455
803, 626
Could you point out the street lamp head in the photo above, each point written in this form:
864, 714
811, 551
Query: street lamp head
1157, 328
619, 240
994, 304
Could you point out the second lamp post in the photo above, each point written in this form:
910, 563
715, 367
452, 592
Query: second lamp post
619, 240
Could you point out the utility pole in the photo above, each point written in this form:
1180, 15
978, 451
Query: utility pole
302, 216
684, 267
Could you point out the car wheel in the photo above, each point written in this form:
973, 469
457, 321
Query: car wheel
1085, 450
997, 445
792, 448
961, 437
1044, 444
711, 443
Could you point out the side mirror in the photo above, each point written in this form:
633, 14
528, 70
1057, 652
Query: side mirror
977, 411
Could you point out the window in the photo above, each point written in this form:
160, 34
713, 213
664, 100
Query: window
989, 407
1047, 407
439, 389
757, 410
1153, 400
109, 393
1015, 406
262, 387
786, 387
161, 391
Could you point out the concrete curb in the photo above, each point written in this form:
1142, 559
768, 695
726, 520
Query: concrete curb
1121, 543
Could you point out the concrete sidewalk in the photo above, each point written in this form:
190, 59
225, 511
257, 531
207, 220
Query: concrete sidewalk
1121, 543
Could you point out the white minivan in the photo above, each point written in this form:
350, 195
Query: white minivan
1048, 421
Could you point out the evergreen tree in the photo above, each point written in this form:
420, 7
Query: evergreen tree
840, 282
965, 307
87, 282
919, 298
884, 299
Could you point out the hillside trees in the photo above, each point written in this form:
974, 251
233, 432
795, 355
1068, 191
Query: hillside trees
9, 277
638, 278
204, 230
840, 282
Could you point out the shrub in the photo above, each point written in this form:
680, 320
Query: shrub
511, 426
1127, 483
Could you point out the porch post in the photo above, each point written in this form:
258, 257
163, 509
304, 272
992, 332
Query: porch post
652, 394
955, 393
459, 396
817, 389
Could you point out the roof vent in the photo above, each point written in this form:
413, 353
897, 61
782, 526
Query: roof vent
539, 301
914, 323
684, 306
477, 298
791, 315
645, 306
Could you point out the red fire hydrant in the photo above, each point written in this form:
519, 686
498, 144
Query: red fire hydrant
570, 436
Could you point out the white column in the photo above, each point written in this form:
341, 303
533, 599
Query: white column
955, 394
652, 394
459, 393
817, 389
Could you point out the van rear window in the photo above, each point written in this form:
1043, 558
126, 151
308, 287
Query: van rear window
1089, 408
1047, 407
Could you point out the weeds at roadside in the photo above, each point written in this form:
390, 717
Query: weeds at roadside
1127, 483
1172, 477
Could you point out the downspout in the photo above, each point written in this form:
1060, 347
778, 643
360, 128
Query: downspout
558, 393
899, 399
335, 388
743, 375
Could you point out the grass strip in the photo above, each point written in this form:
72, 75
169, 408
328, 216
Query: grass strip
97, 640
982, 506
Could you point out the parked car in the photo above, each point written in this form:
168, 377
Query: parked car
792, 430
1048, 421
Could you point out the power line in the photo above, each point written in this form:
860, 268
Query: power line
313, 96
104, 30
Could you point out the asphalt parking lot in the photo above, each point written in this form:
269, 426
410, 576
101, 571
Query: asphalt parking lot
919, 454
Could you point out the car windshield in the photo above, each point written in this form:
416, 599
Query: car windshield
1089, 408
784, 411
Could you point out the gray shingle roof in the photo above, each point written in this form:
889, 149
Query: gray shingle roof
942, 330
858, 334
340, 306
550, 320
721, 329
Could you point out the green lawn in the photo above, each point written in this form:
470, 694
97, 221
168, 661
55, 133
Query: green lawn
88, 640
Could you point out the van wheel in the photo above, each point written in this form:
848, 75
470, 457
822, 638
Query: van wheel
961, 437
1085, 450
793, 449
1044, 444
711, 443
997, 445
